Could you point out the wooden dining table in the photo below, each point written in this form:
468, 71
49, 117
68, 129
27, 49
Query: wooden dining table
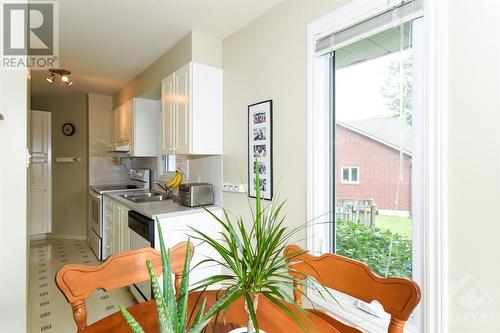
271, 318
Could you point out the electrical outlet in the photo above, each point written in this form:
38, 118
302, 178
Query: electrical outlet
234, 188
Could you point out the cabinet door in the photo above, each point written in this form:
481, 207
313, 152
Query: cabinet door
116, 125
175, 230
38, 224
124, 230
168, 101
117, 228
183, 116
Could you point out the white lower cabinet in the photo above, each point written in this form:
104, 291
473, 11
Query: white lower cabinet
176, 229
117, 234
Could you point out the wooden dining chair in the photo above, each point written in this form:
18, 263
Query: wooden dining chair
398, 296
77, 282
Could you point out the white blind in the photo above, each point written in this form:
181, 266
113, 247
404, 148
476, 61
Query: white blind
394, 16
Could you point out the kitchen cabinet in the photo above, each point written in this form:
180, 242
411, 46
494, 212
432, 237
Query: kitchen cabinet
117, 235
122, 117
192, 111
136, 127
176, 229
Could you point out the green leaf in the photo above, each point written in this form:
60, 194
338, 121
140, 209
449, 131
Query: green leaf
168, 288
164, 318
251, 310
131, 322
183, 293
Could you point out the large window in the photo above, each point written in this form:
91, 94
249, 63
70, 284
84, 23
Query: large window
372, 83
365, 217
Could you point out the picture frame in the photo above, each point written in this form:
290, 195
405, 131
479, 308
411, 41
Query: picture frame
260, 146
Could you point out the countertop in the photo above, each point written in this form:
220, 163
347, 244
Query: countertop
157, 209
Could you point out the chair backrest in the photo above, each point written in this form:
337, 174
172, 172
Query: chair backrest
398, 296
77, 282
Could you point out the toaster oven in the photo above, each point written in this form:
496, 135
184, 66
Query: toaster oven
196, 194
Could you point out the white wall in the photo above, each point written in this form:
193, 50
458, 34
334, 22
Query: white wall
267, 59
474, 166
13, 237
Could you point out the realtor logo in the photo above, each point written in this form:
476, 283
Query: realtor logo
30, 35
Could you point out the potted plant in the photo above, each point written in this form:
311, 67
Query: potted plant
252, 254
172, 312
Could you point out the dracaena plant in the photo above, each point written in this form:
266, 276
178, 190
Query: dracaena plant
172, 312
252, 254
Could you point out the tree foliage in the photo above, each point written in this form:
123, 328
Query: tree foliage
391, 88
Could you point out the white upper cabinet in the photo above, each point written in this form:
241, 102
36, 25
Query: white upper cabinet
135, 127
167, 114
192, 111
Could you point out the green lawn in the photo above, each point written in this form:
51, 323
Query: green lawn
398, 225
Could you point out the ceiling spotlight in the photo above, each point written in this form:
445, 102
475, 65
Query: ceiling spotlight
61, 72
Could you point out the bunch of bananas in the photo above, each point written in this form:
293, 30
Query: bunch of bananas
176, 181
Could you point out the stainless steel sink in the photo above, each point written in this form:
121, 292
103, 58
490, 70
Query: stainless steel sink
145, 197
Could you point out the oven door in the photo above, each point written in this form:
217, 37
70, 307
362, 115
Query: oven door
95, 214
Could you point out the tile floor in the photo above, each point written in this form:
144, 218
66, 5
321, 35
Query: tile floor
49, 310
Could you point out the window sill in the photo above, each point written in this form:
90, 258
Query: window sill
351, 315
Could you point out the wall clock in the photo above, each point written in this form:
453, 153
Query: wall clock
68, 129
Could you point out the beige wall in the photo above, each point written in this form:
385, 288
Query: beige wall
267, 59
13, 237
195, 46
206, 49
69, 180
150, 78
474, 164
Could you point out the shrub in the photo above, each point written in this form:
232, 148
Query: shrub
388, 254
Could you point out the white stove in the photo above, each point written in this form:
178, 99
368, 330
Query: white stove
139, 179
114, 188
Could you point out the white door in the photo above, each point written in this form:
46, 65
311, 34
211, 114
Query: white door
168, 100
40, 174
183, 121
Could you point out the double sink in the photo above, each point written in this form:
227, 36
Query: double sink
146, 197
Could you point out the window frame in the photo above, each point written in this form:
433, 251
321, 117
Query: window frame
433, 203
349, 181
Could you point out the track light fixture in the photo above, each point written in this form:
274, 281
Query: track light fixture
65, 76
51, 78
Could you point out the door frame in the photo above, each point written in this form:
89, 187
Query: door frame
49, 166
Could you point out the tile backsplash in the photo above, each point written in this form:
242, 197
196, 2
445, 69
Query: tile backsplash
102, 170
150, 163
205, 169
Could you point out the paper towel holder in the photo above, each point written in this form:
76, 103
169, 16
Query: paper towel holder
67, 159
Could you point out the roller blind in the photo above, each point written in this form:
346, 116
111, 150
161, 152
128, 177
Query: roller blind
396, 15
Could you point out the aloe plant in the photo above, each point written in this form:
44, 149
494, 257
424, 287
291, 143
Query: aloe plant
253, 256
172, 313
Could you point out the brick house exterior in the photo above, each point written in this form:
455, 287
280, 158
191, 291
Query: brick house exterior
367, 145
